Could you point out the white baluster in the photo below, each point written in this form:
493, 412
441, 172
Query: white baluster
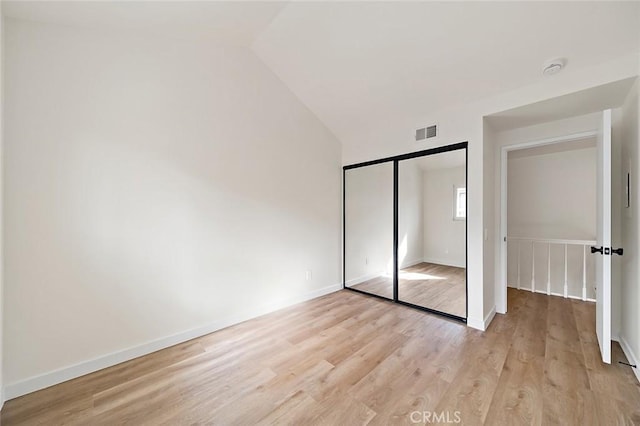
566, 281
584, 272
549, 269
518, 242
533, 266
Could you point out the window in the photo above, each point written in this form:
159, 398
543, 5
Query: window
460, 203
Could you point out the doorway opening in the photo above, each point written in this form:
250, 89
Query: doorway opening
548, 216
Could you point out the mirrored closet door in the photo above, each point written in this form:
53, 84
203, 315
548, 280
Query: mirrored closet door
368, 226
432, 239
405, 230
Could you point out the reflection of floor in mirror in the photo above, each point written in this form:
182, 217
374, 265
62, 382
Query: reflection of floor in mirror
438, 287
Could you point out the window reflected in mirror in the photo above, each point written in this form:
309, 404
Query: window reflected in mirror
432, 207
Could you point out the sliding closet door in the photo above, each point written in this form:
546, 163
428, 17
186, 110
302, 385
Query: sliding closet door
368, 229
432, 232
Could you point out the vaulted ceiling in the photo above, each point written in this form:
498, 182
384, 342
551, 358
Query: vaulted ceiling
358, 63
221, 22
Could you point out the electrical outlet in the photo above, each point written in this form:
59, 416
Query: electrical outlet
307, 275
366, 260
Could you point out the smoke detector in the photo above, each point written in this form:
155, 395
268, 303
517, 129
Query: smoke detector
553, 66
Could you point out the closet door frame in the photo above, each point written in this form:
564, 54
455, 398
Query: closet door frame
396, 165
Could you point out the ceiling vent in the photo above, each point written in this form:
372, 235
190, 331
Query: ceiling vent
427, 133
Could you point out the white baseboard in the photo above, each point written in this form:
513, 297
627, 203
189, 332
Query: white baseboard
410, 263
483, 324
489, 317
55, 377
631, 356
363, 278
447, 262
478, 324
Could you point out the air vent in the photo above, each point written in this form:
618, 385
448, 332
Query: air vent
426, 133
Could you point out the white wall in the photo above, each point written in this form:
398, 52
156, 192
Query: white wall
369, 222
630, 292
464, 122
155, 190
410, 213
553, 195
444, 237
369, 219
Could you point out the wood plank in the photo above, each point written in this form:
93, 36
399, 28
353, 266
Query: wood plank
518, 398
346, 358
433, 286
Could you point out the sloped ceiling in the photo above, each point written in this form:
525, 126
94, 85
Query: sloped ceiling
359, 64
219, 22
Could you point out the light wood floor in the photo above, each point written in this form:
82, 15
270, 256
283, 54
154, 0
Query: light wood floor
438, 287
349, 359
